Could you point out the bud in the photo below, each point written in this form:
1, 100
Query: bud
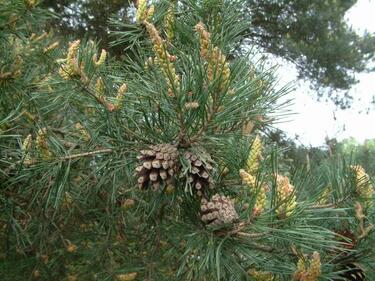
170, 189
100, 89
150, 13
72, 277
169, 22
205, 39
364, 231
315, 265
163, 59
126, 277
42, 145
141, 14
248, 179
68, 201
149, 62
254, 156
41, 37
31, 3
128, 204
70, 247
192, 105
120, 96
27, 144
285, 197
308, 270
362, 184
84, 134
260, 193
73, 51
36, 274
71, 67
247, 128
44, 258
218, 67
102, 58
261, 275
324, 197
51, 47
63, 72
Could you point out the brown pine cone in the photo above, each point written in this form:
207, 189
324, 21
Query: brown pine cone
352, 272
199, 175
218, 211
158, 165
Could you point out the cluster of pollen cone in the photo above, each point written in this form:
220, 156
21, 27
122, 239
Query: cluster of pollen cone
160, 166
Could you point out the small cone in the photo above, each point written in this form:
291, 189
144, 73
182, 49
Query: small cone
352, 272
199, 177
158, 165
218, 211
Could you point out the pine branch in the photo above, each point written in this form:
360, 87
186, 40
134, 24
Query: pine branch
64, 158
361, 217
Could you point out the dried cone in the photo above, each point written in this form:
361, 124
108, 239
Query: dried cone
353, 272
218, 211
199, 177
158, 165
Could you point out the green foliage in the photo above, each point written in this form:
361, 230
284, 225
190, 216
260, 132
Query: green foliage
363, 154
27, 57
80, 18
312, 35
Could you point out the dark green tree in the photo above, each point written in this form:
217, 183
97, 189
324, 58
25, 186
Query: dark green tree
316, 38
360, 153
88, 19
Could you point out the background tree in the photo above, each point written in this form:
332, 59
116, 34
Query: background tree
88, 19
316, 38
360, 153
313, 35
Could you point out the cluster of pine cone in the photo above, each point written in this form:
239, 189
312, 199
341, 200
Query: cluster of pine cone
158, 166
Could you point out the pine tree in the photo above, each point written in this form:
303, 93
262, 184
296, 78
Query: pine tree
149, 170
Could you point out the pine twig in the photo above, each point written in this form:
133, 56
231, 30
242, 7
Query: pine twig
251, 235
85, 154
330, 205
64, 158
238, 231
361, 217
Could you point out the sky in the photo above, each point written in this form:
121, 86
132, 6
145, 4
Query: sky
313, 121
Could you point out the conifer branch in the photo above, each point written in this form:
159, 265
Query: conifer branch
330, 205
64, 158
85, 154
361, 217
